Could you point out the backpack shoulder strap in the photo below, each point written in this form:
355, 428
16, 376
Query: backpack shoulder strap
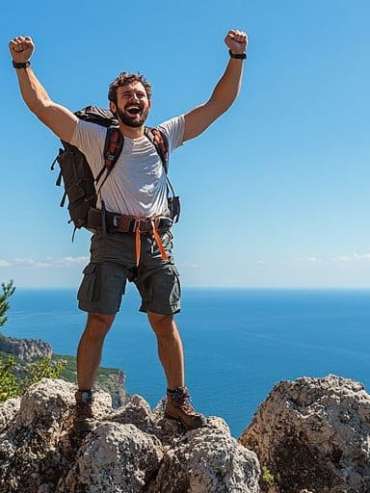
159, 139
112, 150
112, 147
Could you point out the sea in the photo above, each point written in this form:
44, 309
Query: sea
238, 343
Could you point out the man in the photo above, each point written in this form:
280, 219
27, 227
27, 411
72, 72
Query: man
135, 190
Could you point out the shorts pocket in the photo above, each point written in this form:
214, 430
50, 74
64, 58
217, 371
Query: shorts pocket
90, 285
176, 293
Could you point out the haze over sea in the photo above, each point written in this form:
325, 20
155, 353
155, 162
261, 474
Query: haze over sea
238, 342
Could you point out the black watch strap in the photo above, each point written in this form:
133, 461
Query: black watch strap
240, 56
21, 64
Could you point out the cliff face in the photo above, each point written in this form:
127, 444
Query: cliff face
313, 434
132, 449
25, 349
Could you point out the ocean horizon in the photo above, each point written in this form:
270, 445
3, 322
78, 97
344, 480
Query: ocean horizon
239, 342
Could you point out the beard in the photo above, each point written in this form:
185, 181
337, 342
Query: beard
132, 120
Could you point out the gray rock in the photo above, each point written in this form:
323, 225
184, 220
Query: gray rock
208, 460
37, 446
314, 434
137, 411
8, 411
114, 458
130, 450
25, 349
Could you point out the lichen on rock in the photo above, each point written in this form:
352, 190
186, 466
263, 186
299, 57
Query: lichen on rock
314, 434
131, 449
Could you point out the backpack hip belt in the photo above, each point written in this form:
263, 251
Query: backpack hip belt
121, 223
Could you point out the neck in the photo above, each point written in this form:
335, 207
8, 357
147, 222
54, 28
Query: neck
131, 132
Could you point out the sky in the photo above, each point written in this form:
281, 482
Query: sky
274, 194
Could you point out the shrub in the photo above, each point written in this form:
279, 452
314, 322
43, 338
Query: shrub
42, 368
9, 384
8, 290
267, 477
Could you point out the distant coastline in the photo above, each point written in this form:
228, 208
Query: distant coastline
238, 342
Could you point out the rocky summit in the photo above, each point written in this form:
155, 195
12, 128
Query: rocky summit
311, 435
131, 449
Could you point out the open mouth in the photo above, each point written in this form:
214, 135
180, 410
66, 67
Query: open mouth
133, 110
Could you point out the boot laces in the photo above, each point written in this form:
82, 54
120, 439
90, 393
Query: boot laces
183, 400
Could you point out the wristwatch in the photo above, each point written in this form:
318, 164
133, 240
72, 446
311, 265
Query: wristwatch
240, 56
21, 64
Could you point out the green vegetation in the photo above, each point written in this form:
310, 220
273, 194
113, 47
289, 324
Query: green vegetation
42, 368
8, 290
16, 375
106, 378
12, 385
9, 384
267, 477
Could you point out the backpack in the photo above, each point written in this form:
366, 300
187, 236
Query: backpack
79, 184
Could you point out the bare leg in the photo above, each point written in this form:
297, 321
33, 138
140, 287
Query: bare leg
170, 348
171, 355
90, 348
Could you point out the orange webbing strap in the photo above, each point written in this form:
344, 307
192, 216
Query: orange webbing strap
157, 237
137, 243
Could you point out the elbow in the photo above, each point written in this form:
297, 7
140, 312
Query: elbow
222, 104
38, 106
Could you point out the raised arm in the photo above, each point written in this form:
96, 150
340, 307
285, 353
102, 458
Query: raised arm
59, 119
225, 92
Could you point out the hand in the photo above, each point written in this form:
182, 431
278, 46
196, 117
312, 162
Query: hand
237, 41
21, 48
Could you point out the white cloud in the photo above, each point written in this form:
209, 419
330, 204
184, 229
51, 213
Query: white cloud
49, 262
362, 256
343, 258
69, 261
188, 265
313, 260
354, 257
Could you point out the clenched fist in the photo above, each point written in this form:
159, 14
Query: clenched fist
21, 48
236, 41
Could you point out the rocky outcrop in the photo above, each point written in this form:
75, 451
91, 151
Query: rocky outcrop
132, 449
115, 385
8, 410
25, 349
313, 434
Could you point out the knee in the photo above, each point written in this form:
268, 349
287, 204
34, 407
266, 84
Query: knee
98, 325
163, 325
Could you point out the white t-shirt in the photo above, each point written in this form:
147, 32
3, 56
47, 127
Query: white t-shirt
137, 184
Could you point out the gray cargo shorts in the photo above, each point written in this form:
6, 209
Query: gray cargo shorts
113, 263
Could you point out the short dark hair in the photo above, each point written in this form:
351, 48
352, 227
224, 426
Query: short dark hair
125, 78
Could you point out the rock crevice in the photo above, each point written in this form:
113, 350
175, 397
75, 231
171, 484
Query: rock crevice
314, 434
132, 449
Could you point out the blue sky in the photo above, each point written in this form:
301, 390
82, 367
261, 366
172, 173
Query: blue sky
274, 194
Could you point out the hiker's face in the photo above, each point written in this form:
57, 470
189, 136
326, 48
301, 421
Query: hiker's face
133, 104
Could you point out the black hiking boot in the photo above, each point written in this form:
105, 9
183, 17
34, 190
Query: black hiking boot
178, 407
83, 416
